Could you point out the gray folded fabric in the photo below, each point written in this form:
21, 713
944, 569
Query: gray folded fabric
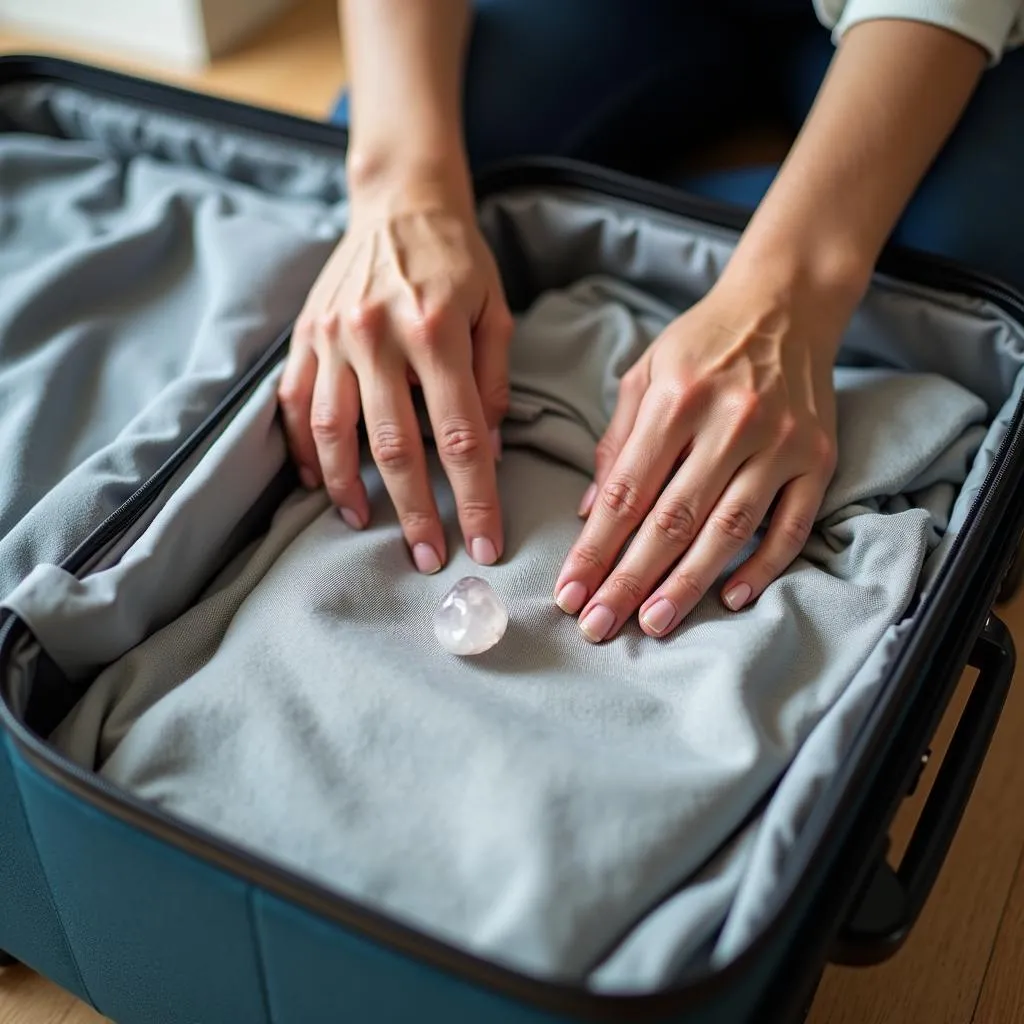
135, 294
542, 804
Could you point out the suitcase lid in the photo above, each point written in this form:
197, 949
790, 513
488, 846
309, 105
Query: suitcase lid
133, 304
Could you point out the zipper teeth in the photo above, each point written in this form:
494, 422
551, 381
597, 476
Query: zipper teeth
924, 271
140, 499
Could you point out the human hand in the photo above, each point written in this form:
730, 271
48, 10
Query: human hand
730, 408
411, 296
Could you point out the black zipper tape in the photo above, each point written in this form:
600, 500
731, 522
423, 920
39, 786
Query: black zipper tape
968, 571
136, 504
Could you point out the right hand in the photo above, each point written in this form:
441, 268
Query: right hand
411, 296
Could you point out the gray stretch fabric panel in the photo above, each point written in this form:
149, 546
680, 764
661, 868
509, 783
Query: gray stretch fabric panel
86, 623
535, 804
136, 292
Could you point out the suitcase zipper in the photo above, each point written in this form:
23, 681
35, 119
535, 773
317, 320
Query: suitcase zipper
700, 984
136, 504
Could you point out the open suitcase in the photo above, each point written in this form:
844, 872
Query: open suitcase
136, 353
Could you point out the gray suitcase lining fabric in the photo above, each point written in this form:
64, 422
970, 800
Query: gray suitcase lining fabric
590, 814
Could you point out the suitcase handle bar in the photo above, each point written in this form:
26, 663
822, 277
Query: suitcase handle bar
892, 899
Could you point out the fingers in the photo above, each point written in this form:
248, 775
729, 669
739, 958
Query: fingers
790, 526
731, 525
396, 443
295, 396
463, 444
632, 389
491, 339
334, 422
676, 522
621, 505
728, 528
323, 395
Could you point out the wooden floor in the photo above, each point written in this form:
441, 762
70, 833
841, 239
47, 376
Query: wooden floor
965, 960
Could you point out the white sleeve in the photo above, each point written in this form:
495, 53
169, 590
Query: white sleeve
996, 25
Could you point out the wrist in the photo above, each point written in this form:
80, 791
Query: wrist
802, 294
801, 276
410, 176
822, 262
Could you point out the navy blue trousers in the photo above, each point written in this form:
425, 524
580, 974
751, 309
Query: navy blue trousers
644, 85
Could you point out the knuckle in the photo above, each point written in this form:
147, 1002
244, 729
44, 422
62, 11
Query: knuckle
633, 382
622, 499
589, 559
773, 560
330, 324
390, 447
688, 588
326, 423
427, 325
363, 320
787, 430
737, 522
680, 398
771, 566
795, 530
415, 522
625, 587
477, 509
304, 330
289, 393
675, 521
458, 440
497, 398
825, 451
745, 408
677, 399
339, 487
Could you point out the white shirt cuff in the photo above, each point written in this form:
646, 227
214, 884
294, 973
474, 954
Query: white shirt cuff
989, 23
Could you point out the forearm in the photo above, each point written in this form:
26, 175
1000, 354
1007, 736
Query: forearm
893, 94
405, 61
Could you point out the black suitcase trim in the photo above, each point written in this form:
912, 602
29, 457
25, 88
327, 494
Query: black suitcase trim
877, 772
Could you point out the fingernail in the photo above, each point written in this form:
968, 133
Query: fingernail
587, 501
308, 478
597, 623
737, 597
425, 558
352, 518
659, 616
572, 597
483, 551
496, 443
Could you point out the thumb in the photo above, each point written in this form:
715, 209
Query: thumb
491, 338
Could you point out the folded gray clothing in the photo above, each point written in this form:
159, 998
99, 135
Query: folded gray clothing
538, 804
134, 294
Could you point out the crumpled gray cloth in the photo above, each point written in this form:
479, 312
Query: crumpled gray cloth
135, 293
535, 804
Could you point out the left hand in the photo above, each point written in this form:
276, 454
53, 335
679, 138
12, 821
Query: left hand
731, 408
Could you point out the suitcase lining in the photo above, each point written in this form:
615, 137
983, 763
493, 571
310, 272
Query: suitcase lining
535, 259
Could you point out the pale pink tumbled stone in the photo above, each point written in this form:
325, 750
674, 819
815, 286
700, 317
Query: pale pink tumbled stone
471, 618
